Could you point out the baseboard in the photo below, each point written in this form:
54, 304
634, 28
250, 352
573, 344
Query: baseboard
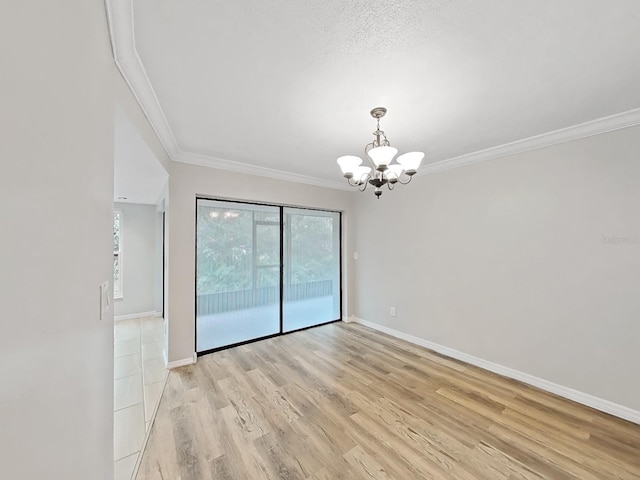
131, 316
157, 314
182, 363
350, 319
600, 404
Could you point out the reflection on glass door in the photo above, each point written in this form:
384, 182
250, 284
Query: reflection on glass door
237, 273
311, 268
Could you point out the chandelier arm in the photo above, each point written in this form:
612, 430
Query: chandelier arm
366, 154
405, 183
365, 183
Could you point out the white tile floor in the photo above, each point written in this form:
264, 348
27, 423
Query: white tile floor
139, 378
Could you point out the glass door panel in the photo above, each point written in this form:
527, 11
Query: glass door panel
311, 280
237, 273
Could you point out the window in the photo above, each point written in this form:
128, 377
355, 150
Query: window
117, 255
311, 268
263, 270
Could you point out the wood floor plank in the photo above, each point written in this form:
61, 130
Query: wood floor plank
345, 402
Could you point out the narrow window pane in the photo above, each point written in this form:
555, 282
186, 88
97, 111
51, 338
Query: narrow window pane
237, 277
117, 259
116, 232
311, 268
116, 276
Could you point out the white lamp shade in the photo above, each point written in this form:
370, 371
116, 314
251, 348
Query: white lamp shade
349, 163
360, 174
382, 155
394, 171
411, 160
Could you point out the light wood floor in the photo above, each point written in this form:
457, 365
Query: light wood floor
344, 402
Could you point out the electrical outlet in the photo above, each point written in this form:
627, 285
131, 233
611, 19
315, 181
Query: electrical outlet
393, 311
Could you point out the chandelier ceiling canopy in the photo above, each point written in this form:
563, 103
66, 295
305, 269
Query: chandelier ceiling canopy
380, 154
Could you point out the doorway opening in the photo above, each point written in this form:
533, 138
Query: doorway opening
264, 270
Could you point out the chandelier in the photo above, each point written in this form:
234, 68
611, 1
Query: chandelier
380, 154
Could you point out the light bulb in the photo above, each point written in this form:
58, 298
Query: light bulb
360, 174
348, 164
393, 172
382, 156
411, 161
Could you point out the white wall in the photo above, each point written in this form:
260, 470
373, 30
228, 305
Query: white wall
127, 101
157, 262
505, 260
56, 202
188, 181
139, 259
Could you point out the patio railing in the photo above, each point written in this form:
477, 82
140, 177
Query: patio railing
241, 299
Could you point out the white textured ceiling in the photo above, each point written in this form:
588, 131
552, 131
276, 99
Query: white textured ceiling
139, 176
288, 85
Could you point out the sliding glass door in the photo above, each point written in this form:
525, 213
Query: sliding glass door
311, 268
237, 273
263, 270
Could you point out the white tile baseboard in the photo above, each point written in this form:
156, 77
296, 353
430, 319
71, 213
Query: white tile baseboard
131, 316
181, 363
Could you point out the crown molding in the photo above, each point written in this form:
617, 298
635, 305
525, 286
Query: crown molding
618, 121
248, 169
121, 29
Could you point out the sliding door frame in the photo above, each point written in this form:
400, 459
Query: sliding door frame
281, 208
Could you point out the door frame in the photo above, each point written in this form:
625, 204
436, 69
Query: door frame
281, 208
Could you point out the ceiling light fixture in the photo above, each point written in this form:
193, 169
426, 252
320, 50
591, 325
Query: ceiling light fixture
380, 154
